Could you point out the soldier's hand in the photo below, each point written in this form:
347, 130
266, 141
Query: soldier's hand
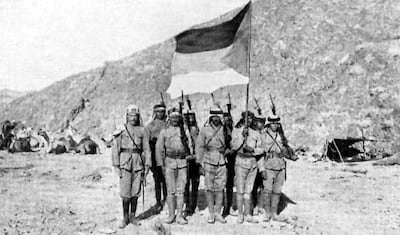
264, 175
245, 132
227, 152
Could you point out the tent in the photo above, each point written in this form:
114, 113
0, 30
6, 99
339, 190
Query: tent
347, 150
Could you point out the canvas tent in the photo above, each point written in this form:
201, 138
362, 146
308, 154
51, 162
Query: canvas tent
347, 150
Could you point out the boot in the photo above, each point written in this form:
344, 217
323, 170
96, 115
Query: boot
239, 200
171, 209
125, 209
132, 218
179, 206
267, 206
210, 203
157, 189
274, 208
219, 197
248, 208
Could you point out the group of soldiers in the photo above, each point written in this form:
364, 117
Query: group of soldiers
249, 156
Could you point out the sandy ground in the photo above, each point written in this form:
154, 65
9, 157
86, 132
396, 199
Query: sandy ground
74, 194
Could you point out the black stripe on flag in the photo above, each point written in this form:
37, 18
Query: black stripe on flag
210, 38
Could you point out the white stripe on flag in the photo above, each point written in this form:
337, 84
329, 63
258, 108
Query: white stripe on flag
200, 61
207, 82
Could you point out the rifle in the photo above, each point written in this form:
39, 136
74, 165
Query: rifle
258, 107
229, 104
273, 108
184, 138
162, 98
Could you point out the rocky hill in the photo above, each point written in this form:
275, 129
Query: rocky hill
332, 66
7, 95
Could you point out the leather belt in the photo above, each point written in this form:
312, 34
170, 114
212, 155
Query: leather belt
176, 154
129, 150
245, 155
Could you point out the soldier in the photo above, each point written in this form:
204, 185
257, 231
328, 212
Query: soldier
153, 129
249, 145
273, 166
210, 150
230, 165
172, 149
193, 178
132, 160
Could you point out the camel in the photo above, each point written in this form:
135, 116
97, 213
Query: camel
6, 134
20, 145
88, 146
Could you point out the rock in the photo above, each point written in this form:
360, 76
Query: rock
106, 230
94, 176
356, 70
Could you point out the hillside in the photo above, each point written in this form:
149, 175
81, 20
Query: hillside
332, 66
7, 95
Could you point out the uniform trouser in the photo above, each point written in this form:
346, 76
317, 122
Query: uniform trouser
130, 183
193, 180
176, 181
214, 177
244, 180
159, 183
275, 180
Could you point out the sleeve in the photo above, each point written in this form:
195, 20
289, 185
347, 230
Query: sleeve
115, 150
146, 149
237, 139
200, 147
160, 149
260, 162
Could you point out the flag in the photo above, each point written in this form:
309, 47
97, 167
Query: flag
208, 58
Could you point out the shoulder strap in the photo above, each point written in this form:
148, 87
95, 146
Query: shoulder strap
130, 136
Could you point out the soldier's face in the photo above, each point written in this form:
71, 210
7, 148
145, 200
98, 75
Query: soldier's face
132, 118
274, 126
159, 114
215, 120
175, 120
260, 124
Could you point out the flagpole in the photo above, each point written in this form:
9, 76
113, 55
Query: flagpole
248, 64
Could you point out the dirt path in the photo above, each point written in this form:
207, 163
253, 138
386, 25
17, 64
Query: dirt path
74, 194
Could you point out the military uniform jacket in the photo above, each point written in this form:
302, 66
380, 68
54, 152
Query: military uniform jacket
126, 155
210, 146
254, 140
275, 151
170, 152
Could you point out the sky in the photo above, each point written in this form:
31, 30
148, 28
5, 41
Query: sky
42, 41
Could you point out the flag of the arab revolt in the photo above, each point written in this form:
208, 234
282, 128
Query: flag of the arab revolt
211, 57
